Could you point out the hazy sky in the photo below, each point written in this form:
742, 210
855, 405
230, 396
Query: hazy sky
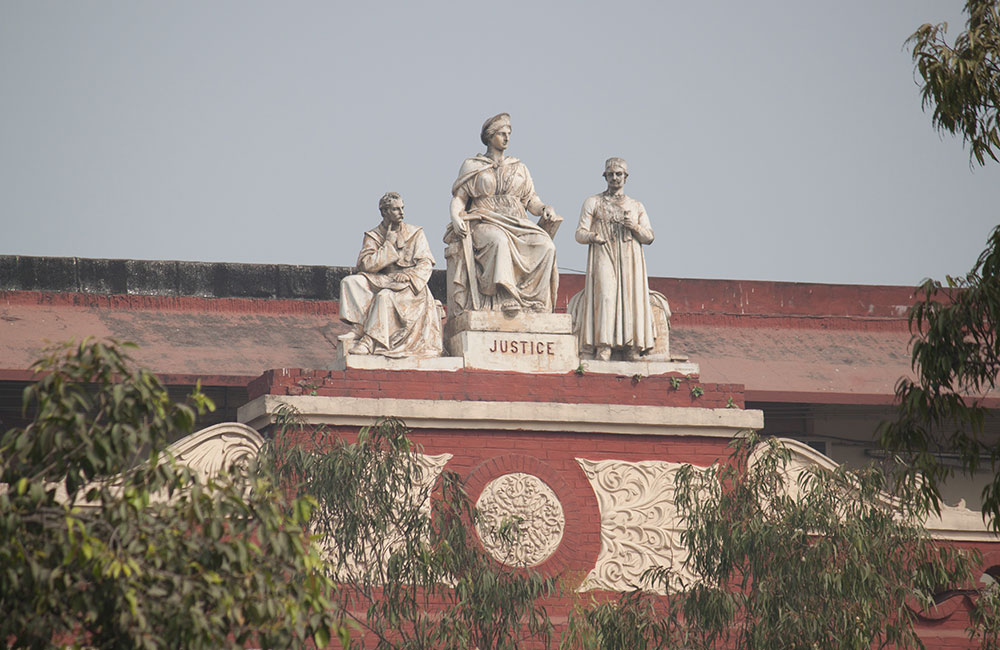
769, 140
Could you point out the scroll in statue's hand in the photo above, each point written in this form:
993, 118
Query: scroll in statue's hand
549, 221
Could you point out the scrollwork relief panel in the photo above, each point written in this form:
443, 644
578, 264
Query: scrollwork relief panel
640, 527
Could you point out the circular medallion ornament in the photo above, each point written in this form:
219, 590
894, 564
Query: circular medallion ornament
528, 501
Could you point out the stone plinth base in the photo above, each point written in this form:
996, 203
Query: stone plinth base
528, 343
491, 340
641, 367
377, 362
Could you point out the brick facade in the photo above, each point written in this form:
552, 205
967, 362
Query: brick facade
493, 386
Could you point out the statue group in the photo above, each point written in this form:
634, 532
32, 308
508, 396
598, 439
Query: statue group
499, 260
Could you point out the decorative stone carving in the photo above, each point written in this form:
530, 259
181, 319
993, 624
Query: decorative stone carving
640, 528
387, 302
614, 313
216, 448
430, 468
955, 523
498, 260
519, 342
526, 498
207, 452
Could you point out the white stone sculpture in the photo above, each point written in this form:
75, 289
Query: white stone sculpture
428, 469
528, 499
614, 312
498, 260
207, 452
955, 523
387, 302
217, 448
640, 526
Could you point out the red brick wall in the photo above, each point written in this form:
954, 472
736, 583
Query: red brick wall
480, 456
493, 386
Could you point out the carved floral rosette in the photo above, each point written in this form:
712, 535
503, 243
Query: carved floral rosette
533, 505
640, 527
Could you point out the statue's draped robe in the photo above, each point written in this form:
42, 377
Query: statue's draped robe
401, 318
510, 251
614, 307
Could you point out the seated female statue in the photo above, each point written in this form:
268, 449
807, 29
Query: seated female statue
497, 258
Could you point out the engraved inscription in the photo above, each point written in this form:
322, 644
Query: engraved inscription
523, 347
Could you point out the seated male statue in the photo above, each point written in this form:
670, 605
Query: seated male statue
387, 303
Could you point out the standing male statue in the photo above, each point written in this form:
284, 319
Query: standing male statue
387, 302
613, 313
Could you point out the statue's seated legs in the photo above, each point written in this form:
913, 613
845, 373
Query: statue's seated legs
513, 267
376, 320
355, 296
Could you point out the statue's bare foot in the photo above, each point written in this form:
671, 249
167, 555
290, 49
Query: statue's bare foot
510, 306
361, 347
603, 353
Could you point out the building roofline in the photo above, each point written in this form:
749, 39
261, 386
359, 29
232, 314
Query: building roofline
173, 278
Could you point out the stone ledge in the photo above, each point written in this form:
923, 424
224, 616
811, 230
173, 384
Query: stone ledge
378, 362
507, 416
642, 368
639, 368
494, 321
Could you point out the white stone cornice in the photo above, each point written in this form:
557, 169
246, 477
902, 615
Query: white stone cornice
625, 419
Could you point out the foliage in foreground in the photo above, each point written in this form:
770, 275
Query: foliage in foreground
820, 560
956, 360
962, 80
94, 554
403, 545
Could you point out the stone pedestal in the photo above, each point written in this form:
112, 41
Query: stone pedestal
377, 362
521, 343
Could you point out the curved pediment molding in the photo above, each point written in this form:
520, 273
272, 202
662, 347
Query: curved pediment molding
954, 523
216, 448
